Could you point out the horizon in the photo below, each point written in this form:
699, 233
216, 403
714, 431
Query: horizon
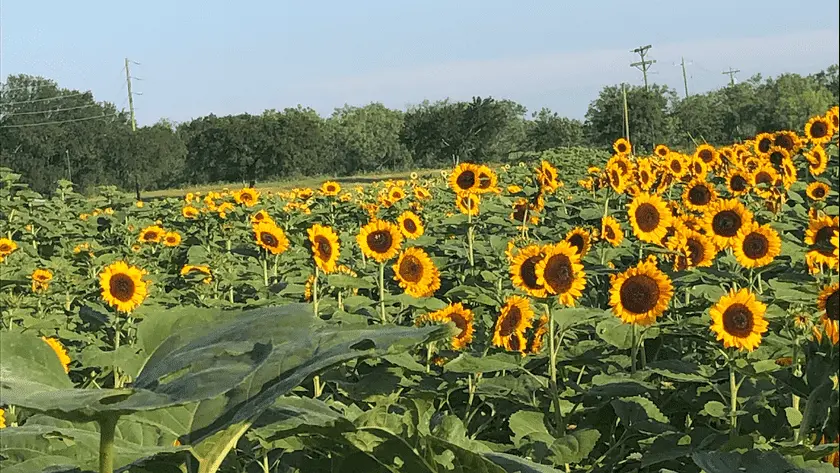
294, 55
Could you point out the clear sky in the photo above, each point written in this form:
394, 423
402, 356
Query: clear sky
224, 56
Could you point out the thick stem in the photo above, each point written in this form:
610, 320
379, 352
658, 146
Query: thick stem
552, 373
382, 293
634, 348
315, 292
733, 401
107, 429
470, 236
265, 270
117, 334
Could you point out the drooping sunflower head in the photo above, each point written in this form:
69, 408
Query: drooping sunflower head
325, 247
151, 234
247, 197
650, 217
523, 272
817, 160
468, 204
661, 150
7, 247
611, 231
561, 273
330, 188
756, 245
515, 318
580, 240
410, 225
123, 286
464, 178
171, 239
694, 250
817, 191
698, 194
640, 294
622, 146
459, 315
739, 182
520, 210
379, 240
724, 219
738, 320
271, 237
416, 273
818, 130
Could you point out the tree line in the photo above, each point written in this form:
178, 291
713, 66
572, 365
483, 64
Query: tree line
49, 133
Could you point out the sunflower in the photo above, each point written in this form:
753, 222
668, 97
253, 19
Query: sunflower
261, 216
197, 268
523, 270
640, 294
416, 273
611, 231
698, 194
515, 318
410, 225
330, 188
41, 279
561, 273
579, 239
694, 250
396, 194
547, 177
661, 150
151, 234
766, 178
650, 217
123, 286
829, 304
708, 154
189, 212
818, 129
788, 140
460, 316
247, 197
739, 182
520, 210
763, 142
724, 219
817, 160
756, 245
698, 169
818, 238
622, 146
7, 247
646, 174
325, 247
464, 178
738, 320
271, 237
777, 155
60, 352
487, 179
171, 238
468, 204
615, 178
675, 164
817, 191
421, 193
379, 240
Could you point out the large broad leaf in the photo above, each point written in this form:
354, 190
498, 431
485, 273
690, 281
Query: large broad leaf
753, 461
514, 464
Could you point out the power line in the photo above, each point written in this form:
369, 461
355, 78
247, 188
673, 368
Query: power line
643, 64
56, 97
35, 112
731, 73
58, 122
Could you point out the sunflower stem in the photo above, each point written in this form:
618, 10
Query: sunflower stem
733, 400
470, 235
265, 270
107, 429
382, 293
315, 292
117, 334
552, 372
634, 348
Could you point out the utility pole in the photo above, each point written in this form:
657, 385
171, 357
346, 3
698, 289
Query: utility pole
731, 73
685, 78
67, 159
626, 114
643, 64
133, 120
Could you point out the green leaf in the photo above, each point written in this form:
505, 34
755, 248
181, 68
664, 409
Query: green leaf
574, 447
347, 281
715, 409
639, 413
794, 417
466, 363
753, 461
514, 464
680, 370
524, 424
620, 335
816, 409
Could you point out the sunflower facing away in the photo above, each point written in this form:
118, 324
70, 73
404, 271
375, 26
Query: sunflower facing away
325, 247
41, 279
817, 191
694, 250
650, 217
247, 197
561, 273
829, 304
457, 314
515, 318
640, 294
151, 234
410, 225
756, 245
464, 178
622, 146
724, 219
738, 320
123, 286
523, 271
60, 352
416, 273
611, 231
579, 239
330, 188
698, 195
379, 240
271, 237
818, 129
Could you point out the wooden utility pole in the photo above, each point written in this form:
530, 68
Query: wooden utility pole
731, 73
643, 64
685, 78
133, 120
626, 114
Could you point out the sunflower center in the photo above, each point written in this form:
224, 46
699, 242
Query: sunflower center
676, 166
483, 181
764, 145
622, 148
122, 287
644, 176
726, 223
822, 240
515, 343
519, 211
755, 246
528, 272
246, 197
559, 274
832, 305
578, 242
609, 233
268, 239
647, 217
380, 241
465, 180
639, 294
784, 141
411, 269
150, 235
776, 157
819, 129
706, 155
324, 246
330, 188
738, 183
764, 177
738, 320
510, 321
699, 195
460, 322
819, 192
5, 248
696, 251
409, 225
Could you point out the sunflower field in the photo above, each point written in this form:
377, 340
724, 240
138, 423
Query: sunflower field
672, 312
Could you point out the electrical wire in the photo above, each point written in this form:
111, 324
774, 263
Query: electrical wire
58, 122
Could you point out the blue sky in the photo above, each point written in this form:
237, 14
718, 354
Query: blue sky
224, 57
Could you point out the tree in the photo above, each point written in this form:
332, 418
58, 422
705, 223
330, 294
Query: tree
367, 138
648, 110
548, 130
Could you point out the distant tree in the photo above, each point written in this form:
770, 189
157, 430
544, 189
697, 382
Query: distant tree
367, 138
548, 130
829, 79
